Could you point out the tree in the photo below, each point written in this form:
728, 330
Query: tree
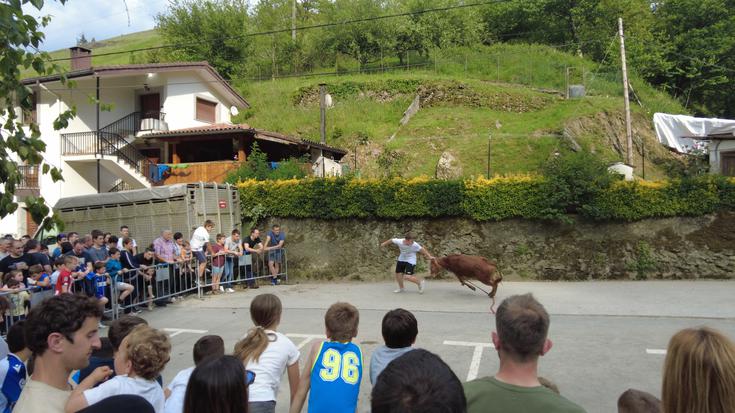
21, 140
82, 40
700, 35
211, 30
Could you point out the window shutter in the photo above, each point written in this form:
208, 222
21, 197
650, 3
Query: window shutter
206, 111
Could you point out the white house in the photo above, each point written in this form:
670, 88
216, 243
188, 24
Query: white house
158, 114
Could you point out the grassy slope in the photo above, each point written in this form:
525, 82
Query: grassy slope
521, 144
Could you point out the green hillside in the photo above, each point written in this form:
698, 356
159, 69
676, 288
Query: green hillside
462, 105
511, 93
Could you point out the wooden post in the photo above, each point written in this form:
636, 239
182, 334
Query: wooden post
293, 21
323, 123
241, 156
175, 158
489, 137
628, 128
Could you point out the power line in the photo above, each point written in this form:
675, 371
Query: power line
310, 27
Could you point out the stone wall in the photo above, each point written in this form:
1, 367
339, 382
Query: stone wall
701, 247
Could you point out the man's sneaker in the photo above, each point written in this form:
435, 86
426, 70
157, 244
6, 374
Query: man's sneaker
221, 288
230, 290
400, 290
421, 286
275, 281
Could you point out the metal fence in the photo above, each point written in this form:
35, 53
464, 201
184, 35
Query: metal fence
158, 284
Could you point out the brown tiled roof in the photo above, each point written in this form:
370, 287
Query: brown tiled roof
223, 128
138, 68
203, 130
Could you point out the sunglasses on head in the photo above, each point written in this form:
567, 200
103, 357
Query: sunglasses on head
249, 377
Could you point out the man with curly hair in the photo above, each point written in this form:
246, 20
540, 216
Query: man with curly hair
142, 356
61, 332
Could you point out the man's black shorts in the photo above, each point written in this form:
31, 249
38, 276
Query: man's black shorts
403, 267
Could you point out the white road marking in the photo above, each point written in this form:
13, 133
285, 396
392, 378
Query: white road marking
176, 331
307, 338
476, 355
656, 351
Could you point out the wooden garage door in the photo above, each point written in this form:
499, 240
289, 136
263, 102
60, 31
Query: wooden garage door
728, 163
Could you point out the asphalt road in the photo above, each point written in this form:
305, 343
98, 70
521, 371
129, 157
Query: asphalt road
608, 336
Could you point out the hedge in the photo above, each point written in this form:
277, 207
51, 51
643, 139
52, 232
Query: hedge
479, 199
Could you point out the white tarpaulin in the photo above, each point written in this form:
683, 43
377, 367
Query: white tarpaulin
685, 133
330, 167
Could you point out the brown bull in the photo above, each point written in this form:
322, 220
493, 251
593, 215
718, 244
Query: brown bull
469, 267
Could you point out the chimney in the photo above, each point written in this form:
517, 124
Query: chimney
81, 58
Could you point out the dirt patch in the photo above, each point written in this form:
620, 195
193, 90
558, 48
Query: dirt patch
432, 93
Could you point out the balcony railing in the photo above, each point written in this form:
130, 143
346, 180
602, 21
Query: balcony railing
29, 176
108, 144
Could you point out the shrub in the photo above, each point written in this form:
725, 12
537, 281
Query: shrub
257, 167
484, 199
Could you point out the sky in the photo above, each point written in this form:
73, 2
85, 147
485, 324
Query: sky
101, 19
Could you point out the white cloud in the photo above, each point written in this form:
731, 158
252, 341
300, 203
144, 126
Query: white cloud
99, 19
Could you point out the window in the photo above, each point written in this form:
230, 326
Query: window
206, 111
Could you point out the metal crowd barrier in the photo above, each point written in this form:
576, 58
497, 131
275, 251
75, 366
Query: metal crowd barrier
156, 284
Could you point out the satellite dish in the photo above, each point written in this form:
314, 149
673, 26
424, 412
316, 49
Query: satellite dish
328, 100
234, 111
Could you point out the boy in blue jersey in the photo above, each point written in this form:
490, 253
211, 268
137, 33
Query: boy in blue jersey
13, 368
333, 371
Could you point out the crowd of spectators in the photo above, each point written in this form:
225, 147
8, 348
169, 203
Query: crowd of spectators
114, 270
72, 369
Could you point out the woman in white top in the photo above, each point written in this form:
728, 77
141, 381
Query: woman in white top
267, 353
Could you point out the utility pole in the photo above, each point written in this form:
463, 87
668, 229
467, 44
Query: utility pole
626, 97
293, 21
323, 124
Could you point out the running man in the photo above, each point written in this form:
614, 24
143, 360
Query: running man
407, 261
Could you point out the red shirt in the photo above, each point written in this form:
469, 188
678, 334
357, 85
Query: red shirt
219, 260
64, 278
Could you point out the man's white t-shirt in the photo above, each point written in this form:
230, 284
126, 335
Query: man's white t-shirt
408, 252
177, 387
280, 353
120, 244
147, 389
39, 397
199, 238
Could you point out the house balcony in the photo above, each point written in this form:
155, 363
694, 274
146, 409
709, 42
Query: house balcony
29, 183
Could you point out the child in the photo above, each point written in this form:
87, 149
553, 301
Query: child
268, 354
114, 268
57, 269
143, 354
218, 262
12, 368
334, 368
14, 274
19, 299
100, 282
40, 278
218, 385
64, 283
205, 348
399, 333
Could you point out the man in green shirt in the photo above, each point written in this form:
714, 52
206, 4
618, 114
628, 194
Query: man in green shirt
522, 324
